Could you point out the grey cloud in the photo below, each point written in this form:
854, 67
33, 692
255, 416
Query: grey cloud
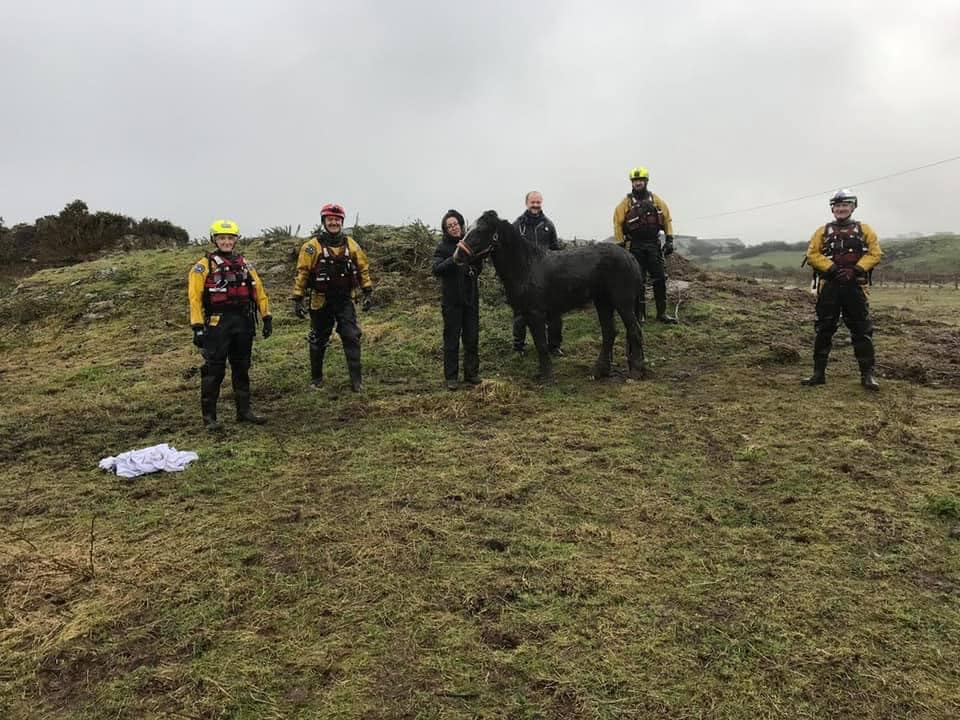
401, 110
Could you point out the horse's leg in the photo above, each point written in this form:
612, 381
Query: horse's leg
635, 359
538, 330
608, 331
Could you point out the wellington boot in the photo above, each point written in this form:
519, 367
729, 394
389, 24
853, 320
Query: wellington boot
247, 415
819, 376
869, 382
211, 424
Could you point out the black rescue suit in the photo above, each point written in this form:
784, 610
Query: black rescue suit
334, 268
460, 305
225, 292
843, 254
638, 221
538, 229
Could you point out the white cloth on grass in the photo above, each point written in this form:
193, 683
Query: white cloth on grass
147, 460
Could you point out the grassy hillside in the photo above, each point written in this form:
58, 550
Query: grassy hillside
781, 259
715, 541
935, 253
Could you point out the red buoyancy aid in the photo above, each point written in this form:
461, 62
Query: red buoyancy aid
644, 220
228, 285
335, 274
844, 244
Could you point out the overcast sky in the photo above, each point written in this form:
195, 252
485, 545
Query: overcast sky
191, 110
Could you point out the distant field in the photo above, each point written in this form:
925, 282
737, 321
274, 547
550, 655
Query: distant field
938, 253
941, 304
784, 259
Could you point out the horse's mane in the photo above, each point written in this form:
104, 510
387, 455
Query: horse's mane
528, 247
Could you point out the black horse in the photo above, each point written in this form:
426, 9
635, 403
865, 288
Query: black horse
542, 284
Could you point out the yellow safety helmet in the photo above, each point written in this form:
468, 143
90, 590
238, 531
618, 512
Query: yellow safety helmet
224, 227
639, 173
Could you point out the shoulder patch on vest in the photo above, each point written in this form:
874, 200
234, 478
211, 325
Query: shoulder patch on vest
310, 249
199, 268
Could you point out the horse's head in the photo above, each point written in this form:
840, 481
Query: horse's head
480, 241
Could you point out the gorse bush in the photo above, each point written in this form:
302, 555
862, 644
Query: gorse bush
279, 232
75, 233
405, 248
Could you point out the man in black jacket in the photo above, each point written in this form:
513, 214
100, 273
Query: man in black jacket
537, 228
460, 304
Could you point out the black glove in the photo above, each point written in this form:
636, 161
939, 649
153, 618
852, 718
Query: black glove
830, 273
298, 308
267, 326
367, 300
668, 246
845, 275
197, 335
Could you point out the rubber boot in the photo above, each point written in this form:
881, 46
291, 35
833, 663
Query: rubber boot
209, 394
316, 366
471, 368
865, 359
244, 413
660, 297
867, 378
819, 376
352, 353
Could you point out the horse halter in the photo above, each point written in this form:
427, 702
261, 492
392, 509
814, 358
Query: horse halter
483, 253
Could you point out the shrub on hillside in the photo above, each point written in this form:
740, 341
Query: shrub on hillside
406, 248
75, 233
159, 231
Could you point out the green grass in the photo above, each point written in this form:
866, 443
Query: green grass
936, 253
780, 259
939, 304
715, 541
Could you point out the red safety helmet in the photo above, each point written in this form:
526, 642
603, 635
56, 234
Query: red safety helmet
334, 210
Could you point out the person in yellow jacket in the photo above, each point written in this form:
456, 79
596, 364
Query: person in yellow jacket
638, 221
335, 269
225, 294
843, 253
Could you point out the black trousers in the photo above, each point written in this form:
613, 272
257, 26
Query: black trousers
339, 312
230, 339
461, 323
850, 302
554, 332
650, 257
